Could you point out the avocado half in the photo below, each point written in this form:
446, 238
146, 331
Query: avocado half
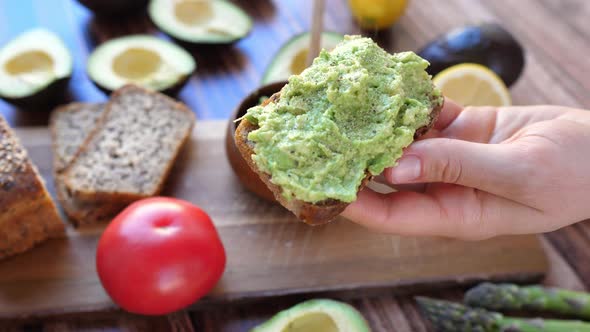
114, 8
143, 60
35, 68
290, 58
488, 44
319, 315
197, 22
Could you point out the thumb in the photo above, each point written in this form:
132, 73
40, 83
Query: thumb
488, 167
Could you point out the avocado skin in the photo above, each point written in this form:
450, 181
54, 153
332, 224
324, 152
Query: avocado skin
44, 100
114, 7
488, 44
172, 91
196, 46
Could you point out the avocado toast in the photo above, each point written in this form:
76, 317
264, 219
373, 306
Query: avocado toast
321, 139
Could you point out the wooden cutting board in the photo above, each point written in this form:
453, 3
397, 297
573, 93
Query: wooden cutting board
269, 252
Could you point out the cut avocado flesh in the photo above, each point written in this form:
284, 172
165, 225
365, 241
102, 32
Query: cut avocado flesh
199, 21
143, 60
320, 315
292, 56
34, 68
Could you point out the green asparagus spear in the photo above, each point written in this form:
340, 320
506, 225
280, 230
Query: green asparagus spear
453, 317
504, 297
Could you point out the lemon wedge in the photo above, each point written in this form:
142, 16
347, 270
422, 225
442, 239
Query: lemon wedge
471, 84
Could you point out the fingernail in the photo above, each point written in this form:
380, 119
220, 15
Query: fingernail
408, 169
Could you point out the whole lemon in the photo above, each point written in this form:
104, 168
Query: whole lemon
377, 14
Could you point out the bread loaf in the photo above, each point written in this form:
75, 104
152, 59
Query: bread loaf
28, 215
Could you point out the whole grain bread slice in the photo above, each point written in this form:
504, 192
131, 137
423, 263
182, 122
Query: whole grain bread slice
311, 213
130, 153
70, 125
28, 215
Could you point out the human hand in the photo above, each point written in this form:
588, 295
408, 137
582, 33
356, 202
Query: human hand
488, 171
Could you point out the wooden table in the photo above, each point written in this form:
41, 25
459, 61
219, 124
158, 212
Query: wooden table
555, 34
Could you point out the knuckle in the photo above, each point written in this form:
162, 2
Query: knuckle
445, 169
451, 171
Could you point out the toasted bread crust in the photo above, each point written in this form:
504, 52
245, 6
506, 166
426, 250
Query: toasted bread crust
86, 212
310, 213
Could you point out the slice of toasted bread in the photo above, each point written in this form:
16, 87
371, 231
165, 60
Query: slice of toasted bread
131, 152
311, 213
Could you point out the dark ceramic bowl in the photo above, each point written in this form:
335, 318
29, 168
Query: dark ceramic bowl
245, 174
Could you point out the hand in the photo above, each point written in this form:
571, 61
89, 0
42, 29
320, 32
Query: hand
487, 172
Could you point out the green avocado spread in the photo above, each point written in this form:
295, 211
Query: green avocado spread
354, 109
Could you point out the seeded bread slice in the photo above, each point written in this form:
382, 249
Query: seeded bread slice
28, 215
310, 213
130, 153
70, 126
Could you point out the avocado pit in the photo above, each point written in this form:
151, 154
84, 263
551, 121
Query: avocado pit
29, 62
313, 321
298, 63
193, 12
136, 63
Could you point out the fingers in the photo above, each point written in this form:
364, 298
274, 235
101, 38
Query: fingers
495, 124
450, 211
405, 213
494, 168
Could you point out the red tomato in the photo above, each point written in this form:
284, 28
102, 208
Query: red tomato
159, 255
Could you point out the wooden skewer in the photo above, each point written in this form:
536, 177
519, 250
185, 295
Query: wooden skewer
316, 31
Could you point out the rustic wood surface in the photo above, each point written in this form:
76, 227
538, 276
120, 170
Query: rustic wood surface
269, 252
555, 34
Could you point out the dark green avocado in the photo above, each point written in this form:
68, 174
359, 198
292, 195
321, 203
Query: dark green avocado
199, 22
144, 60
488, 44
319, 315
115, 8
35, 68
